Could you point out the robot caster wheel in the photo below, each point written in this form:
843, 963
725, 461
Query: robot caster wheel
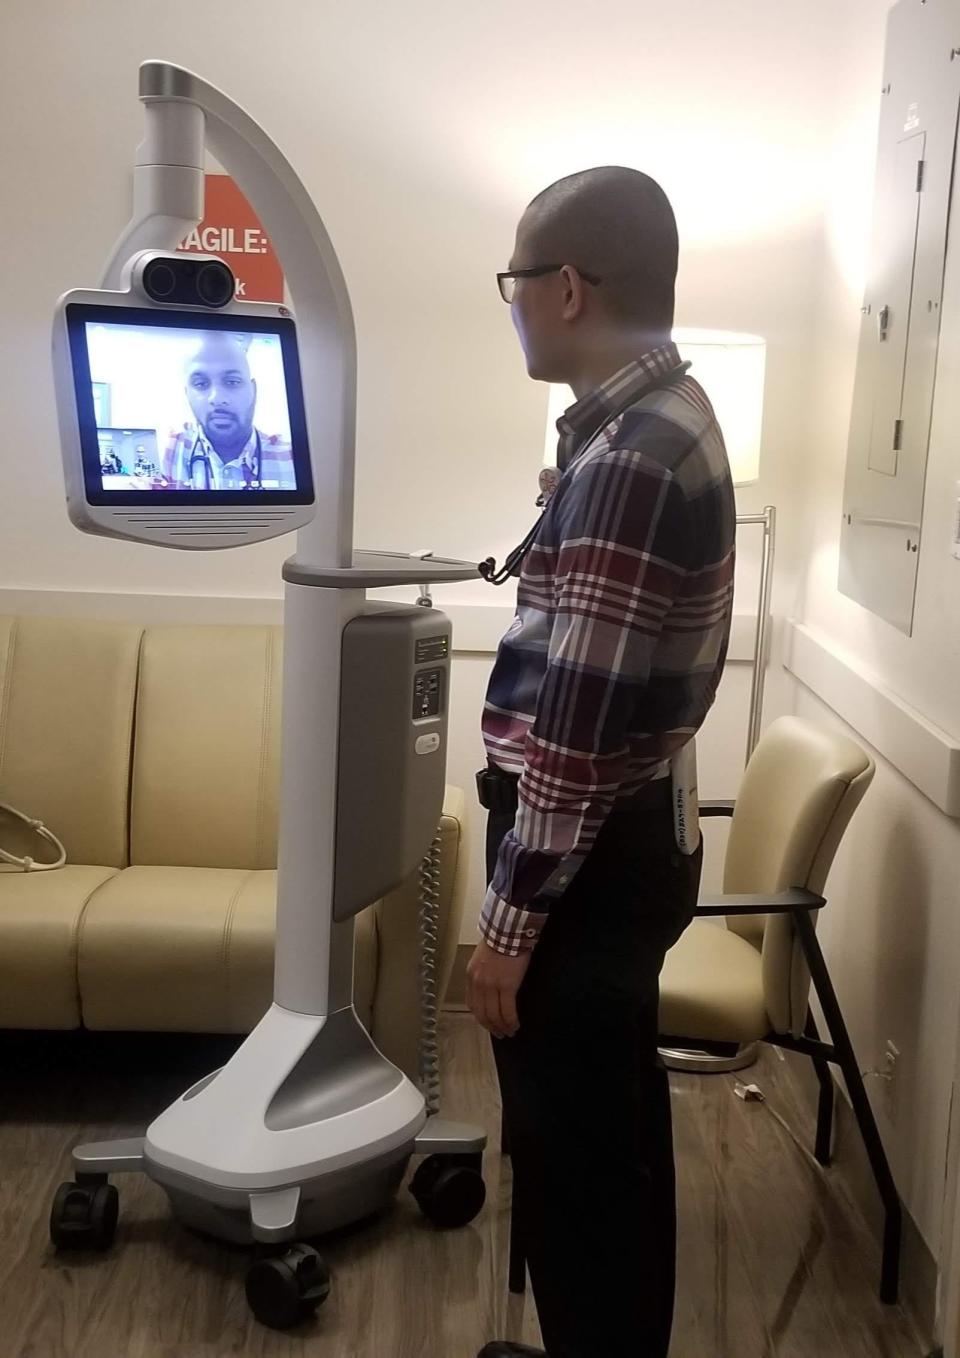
84, 1217
286, 1290
449, 1189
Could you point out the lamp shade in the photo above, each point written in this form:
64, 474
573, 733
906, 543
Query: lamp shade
731, 368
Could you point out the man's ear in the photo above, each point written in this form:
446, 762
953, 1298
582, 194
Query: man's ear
253, 383
572, 293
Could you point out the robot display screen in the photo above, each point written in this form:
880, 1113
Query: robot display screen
188, 407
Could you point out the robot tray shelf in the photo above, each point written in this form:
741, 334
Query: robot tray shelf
373, 569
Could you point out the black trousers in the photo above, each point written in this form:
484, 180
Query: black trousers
585, 1095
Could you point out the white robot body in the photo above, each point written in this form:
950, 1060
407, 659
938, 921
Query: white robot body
270, 1146
308, 1126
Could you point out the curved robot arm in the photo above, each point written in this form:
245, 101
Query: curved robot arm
183, 113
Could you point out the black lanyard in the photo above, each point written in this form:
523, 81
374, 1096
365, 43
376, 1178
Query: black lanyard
499, 576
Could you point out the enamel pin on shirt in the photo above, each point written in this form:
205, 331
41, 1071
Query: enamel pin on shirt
549, 480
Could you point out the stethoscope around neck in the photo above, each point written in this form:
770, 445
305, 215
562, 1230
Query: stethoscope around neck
203, 458
512, 563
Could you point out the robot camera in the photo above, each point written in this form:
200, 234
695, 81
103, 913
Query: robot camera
187, 280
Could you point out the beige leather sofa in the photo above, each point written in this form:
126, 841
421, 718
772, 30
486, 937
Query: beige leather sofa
154, 754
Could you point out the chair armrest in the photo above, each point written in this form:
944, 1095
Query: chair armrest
717, 808
777, 903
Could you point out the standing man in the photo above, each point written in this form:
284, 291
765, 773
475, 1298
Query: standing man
608, 670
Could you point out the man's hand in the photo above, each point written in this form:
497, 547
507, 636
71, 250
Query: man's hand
493, 981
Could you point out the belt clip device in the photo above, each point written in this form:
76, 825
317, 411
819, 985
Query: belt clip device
686, 807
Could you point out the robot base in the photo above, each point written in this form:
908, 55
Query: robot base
311, 1209
287, 1147
288, 1280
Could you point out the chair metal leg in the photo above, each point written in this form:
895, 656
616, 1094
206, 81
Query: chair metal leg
517, 1271
846, 1059
695, 1062
825, 1105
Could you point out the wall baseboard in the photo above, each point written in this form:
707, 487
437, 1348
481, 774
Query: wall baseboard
477, 628
924, 753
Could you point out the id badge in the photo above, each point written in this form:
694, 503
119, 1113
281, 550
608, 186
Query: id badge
686, 807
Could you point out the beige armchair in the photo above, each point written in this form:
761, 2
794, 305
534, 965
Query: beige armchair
749, 979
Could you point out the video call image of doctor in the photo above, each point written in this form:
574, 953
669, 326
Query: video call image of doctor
224, 450
183, 409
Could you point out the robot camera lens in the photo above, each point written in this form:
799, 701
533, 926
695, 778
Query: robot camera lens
215, 284
159, 280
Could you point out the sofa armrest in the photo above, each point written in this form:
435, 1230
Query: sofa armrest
395, 1024
774, 903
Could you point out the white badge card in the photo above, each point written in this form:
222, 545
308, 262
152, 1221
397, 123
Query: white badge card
686, 807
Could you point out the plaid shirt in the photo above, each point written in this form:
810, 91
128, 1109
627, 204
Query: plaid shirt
623, 617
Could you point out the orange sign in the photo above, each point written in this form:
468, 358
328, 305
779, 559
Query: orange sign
232, 230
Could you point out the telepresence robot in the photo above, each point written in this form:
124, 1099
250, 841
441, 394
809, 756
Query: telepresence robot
307, 1127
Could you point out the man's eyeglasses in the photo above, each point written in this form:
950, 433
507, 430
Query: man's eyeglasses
507, 282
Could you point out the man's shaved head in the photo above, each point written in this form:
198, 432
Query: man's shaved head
617, 224
217, 346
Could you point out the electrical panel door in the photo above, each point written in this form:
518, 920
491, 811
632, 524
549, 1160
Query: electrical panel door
900, 316
894, 282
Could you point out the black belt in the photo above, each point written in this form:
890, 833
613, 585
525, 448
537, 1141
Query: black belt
498, 792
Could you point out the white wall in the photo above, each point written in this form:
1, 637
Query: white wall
892, 931
421, 132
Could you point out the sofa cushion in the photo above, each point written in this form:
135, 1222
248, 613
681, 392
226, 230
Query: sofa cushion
67, 691
40, 917
207, 753
171, 949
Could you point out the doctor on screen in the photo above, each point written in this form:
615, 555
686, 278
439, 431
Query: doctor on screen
224, 450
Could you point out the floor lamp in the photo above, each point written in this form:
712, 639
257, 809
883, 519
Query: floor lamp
731, 367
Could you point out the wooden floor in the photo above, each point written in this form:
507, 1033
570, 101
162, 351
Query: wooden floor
774, 1262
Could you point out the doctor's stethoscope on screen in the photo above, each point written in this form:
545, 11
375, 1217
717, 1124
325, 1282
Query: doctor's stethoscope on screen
206, 480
